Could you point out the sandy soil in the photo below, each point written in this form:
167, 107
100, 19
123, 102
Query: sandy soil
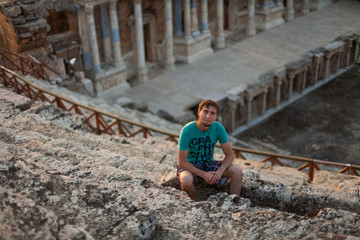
324, 125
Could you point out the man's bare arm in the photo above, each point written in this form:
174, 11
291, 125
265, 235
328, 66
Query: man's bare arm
229, 155
227, 161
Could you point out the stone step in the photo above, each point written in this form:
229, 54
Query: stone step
59, 149
59, 181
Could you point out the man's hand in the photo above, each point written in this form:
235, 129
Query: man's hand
213, 177
217, 175
209, 177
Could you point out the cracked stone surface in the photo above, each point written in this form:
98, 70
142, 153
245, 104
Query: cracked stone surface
59, 181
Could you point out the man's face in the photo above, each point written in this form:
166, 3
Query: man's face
207, 116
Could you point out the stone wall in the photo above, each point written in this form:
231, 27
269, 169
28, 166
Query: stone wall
32, 27
23, 25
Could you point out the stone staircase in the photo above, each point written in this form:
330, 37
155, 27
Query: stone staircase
59, 181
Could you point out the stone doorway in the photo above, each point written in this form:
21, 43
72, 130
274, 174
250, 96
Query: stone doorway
229, 15
149, 37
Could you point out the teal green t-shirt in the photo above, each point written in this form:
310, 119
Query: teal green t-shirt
200, 145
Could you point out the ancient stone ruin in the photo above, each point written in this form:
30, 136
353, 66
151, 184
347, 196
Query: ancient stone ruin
116, 41
95, 46
59, 181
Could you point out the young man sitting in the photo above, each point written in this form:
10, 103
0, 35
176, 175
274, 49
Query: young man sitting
196, 151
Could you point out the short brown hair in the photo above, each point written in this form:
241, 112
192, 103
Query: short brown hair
208, 103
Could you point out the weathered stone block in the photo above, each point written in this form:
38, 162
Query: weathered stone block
24, 35
74, 232
141, 225
34, 9
28, 1
31, 17
18, 20
38, 25
20, 29
191, 50
11, 11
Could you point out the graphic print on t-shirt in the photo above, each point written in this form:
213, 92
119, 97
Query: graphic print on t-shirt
203, 149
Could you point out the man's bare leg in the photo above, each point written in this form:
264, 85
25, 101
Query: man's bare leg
187, 184
235, 173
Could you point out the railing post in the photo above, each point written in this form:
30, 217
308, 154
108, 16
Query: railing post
28, 89
16, 84
97, 123
3, 74
311, 171
144, 132
238, 154
59, 103
21, 66
274, 160
354, 172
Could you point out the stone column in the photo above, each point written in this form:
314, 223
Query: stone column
231, 15
170, 60
249, 103
305, 7
289, 14
278, 83
204, 16
220, 36
263, 109
140, 49
357, 41
83, 33
187, 20
348, 51
303, 83
327, 64
317, 57
93, 39
340, 53
194, 18
251, 27
266, 6
116, 40
178, 18
232, 106
291, 83
105, 30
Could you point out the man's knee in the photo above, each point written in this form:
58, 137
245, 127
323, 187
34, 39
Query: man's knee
235, 172
186, 180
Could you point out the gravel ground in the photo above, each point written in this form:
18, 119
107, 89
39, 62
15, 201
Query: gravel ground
324, 125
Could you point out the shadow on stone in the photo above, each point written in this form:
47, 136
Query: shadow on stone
300, 200
203, 190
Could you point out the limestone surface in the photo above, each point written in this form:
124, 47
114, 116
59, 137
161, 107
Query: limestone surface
59, 181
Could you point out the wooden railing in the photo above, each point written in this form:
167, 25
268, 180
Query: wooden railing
101, 122
98, 121
308, 163
26, 66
